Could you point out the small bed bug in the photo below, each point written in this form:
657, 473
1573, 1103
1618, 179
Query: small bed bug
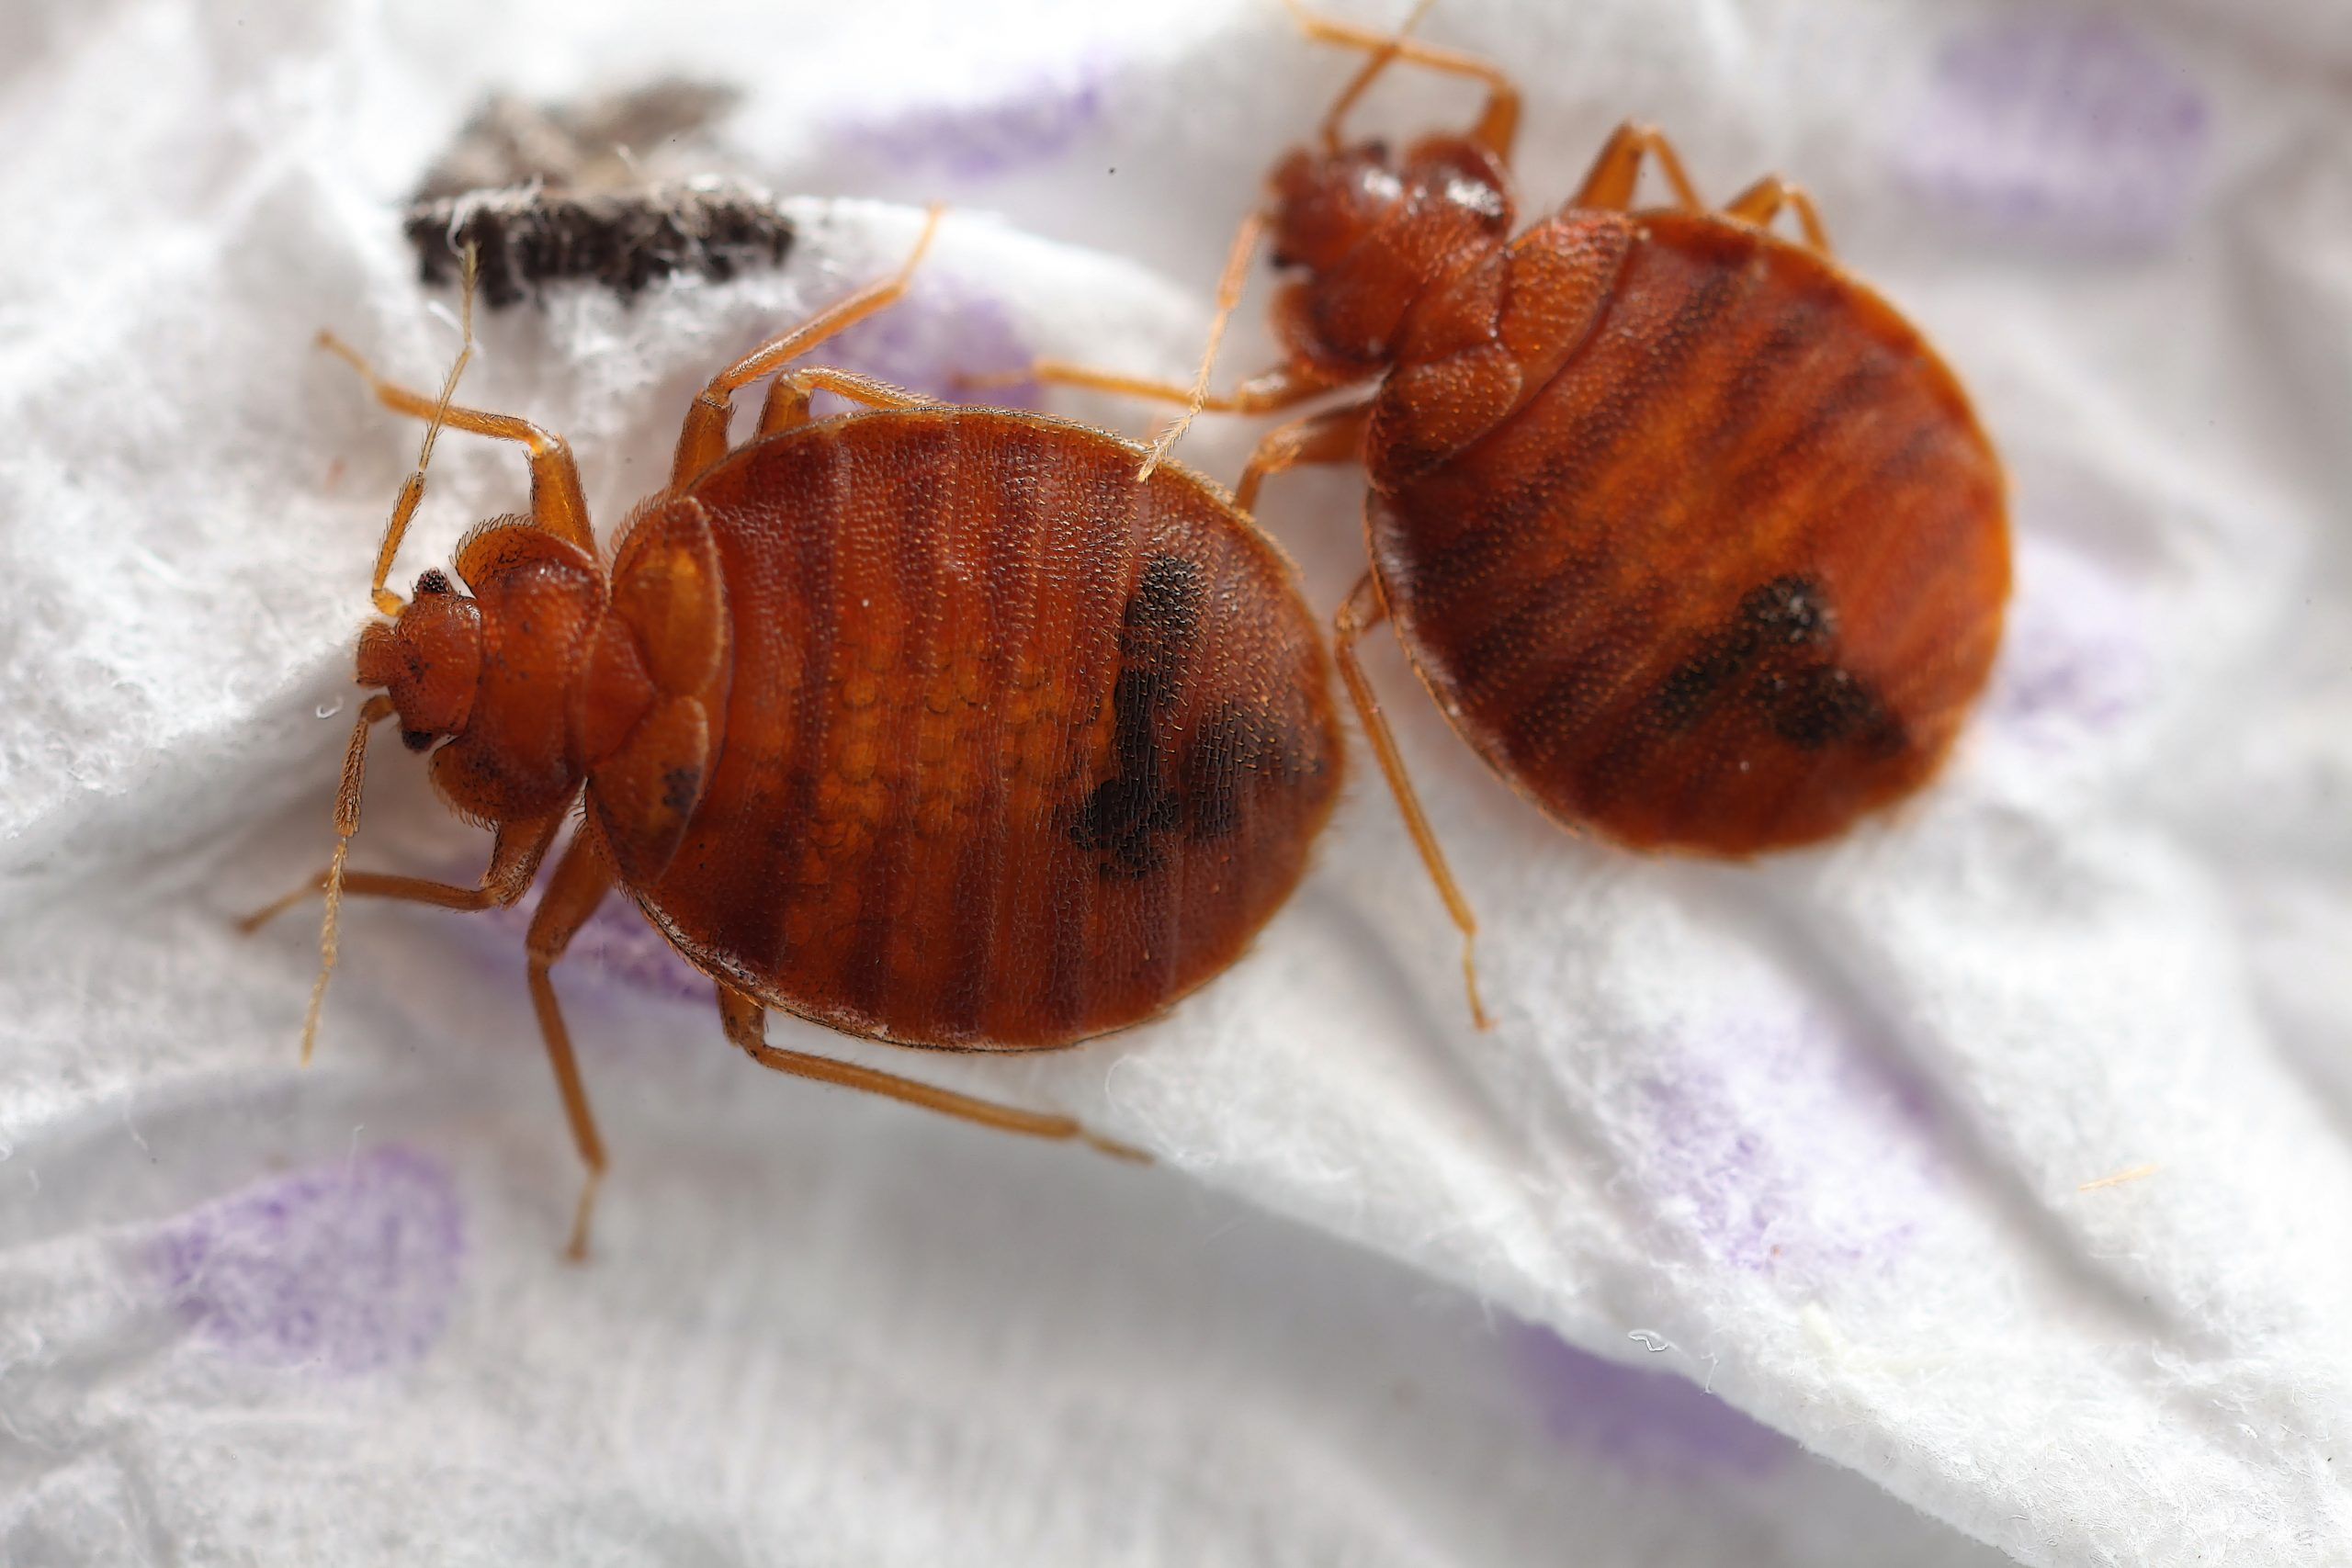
935, 725
1693, 538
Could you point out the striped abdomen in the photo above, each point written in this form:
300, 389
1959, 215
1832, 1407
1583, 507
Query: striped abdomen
1017, 749
1728, 576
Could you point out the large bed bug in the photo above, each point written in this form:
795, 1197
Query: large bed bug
1691, 536
939, 726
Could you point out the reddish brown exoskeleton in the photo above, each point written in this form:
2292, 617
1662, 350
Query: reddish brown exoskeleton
939, 726
1692, 537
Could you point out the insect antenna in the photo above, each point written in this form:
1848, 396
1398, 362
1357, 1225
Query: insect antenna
347, 823
413, 487
379, 706
1228, 298
1385, 52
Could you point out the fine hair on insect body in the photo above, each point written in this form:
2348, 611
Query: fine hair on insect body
937, 725
1690, 534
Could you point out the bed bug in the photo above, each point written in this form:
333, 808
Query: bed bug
1691, 536
935, 725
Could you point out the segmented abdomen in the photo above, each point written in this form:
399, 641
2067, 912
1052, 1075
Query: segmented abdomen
1017, 749
1730, 577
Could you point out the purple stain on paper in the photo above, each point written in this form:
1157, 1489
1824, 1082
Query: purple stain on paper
1028, 122
942, 333
619, 946
1656, 1423
2075, 660
350, 1266
2059, 125
1782, 1148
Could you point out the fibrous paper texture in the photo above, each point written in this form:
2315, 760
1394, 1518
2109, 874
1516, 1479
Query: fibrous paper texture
1981, 1183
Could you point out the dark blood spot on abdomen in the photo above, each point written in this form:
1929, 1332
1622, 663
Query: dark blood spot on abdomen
1819, 705
1788, 612
1779, 635
1237, 749
1125, 814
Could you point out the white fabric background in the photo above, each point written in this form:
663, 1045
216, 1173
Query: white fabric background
1811, 1134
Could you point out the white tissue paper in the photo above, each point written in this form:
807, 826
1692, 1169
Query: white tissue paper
1981, 1183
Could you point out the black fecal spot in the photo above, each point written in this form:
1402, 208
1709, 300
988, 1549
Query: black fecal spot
528, 239
1126, 813
1817, 706
622, 188
678, 787
417, 739
433, 580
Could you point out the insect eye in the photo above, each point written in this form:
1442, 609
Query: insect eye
432, 581
417, 739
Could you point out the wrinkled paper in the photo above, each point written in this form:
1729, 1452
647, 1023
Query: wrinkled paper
1981, 1183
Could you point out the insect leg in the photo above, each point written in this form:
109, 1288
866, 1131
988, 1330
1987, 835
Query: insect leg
1619, 169
1335, 435
557, 503
1761, 202
703, 441
1364, 610
788, 394
1498, 124
581, 881
746, 1023
1262, 394
515, 858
